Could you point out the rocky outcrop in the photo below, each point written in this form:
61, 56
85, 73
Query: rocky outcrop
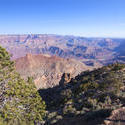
117, 117
66, 77
47, 70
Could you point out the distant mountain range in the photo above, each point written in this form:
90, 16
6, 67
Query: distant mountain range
47, 57
88, 50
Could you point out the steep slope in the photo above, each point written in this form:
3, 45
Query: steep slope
47, 70
88, 98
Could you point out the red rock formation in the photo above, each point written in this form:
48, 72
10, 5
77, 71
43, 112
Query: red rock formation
47, 70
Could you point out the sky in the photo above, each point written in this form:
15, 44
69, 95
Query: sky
88, 18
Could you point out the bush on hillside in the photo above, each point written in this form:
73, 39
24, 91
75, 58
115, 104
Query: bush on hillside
20, 102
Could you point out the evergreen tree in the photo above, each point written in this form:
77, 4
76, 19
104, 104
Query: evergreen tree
20, 102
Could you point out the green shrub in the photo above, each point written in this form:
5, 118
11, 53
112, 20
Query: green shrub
21, 103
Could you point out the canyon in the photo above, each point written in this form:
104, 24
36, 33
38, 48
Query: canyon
46, 57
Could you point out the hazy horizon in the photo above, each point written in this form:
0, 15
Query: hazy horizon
63, 35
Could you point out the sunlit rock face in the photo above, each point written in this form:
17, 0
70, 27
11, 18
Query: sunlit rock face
47, 70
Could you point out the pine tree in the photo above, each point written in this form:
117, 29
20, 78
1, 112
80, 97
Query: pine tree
20, 102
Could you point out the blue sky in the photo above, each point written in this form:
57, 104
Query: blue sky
89, 18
